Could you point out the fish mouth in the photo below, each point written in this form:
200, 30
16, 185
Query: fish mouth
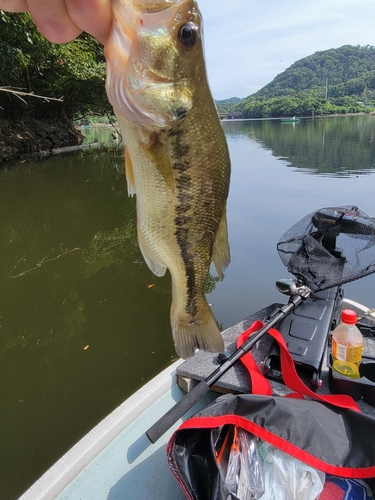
138, 86
171, 101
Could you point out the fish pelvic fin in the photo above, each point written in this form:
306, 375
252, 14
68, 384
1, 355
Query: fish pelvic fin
153, 262
221, 251
201, 332
129, 173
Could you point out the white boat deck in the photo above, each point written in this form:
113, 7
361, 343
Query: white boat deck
129, 460
115, 460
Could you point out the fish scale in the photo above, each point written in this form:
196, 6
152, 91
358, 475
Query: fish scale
177, 160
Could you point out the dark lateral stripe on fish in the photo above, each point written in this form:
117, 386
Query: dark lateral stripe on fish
180, 149
188, 258
183, 182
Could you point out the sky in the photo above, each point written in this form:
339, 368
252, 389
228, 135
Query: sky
249, 42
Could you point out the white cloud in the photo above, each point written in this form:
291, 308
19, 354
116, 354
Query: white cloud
249, 42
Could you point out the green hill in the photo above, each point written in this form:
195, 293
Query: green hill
346, 76
226, 105
333, 66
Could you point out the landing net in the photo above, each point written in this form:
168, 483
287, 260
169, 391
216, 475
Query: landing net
330, 247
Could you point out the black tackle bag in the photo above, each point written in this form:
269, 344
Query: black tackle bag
328, 432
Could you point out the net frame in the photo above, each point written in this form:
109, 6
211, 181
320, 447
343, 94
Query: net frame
330, 247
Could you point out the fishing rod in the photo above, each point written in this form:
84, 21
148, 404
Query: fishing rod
326, 248
297, 291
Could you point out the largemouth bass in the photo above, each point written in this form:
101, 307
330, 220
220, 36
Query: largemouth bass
176, 156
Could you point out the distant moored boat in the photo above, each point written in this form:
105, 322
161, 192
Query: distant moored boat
289, 120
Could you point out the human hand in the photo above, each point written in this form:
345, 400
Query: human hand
63, 20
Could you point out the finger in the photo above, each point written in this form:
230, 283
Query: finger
53, 21
13, 5
92, 16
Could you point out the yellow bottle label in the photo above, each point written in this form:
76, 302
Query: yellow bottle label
349, 352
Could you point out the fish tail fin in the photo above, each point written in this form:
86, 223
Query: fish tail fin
199, 332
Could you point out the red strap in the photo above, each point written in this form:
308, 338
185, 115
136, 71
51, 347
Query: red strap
260, 385
292, 380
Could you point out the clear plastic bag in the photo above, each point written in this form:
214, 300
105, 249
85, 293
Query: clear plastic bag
244, 473
287, 478
252, 468
234, 465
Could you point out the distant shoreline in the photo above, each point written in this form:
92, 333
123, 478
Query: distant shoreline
309, 117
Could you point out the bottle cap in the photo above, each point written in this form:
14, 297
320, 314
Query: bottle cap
349, 316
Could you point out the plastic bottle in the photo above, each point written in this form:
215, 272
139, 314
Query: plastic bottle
347, 342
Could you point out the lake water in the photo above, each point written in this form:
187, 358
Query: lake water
80, 327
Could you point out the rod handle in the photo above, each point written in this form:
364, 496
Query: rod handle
177, 411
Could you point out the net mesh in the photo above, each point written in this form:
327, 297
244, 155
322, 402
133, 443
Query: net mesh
330, 247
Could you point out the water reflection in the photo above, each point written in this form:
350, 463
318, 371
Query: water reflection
80, 329
337, 146
100, 134
71, 276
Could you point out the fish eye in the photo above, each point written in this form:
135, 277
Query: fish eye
188, 34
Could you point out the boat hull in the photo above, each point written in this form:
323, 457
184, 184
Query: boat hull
115, 460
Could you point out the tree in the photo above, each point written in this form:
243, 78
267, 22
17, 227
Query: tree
74, 71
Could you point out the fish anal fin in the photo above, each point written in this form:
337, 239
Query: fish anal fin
200, 332
129, 173
160, 158
221, 251
156, 266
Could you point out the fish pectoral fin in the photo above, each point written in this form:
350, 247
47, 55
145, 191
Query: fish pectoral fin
220, 251
160, 158
156, 266
129, 173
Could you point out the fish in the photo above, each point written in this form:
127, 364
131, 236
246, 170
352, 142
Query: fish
177, 161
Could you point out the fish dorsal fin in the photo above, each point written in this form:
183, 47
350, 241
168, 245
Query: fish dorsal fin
160, 158
221, 252
156, 266
129, 173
